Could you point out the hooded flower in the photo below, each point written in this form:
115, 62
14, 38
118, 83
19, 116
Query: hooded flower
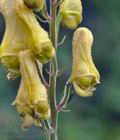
36, 5
84, 74
39, 41
37, 92
71, 12
22, 32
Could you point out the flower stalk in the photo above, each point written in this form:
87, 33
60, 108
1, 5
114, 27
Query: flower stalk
26, 47
53, 71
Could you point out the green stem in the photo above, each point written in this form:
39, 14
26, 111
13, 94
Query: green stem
47, 137
64, 101
54, 71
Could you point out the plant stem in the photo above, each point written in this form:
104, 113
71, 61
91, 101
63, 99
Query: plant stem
65, 98
53, 71
47, 137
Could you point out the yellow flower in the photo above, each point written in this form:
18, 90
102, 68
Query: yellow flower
22, 104
24, 108
38, 38
36, 90
36, 5
71, 12
22, 32
84, 74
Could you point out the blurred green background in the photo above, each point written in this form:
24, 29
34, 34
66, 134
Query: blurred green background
94, 118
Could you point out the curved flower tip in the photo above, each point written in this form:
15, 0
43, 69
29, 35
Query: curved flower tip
36, 5
28, 121
84, 74
71, 12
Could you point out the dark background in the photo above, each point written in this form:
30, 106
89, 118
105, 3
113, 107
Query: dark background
94, 118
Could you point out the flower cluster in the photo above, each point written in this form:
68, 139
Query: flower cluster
25, 42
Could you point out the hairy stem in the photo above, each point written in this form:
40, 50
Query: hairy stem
53, 71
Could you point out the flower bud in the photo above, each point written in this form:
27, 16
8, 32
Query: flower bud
22, 32
84, 74
36, 5
36, 90
71, 12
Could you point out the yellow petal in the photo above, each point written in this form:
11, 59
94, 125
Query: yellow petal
38, 38
24, 108
71, 12
84, 73
27, 122
22, 32
81, 92
14, 38
36, 5
22, 101
36, 90
22, 104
